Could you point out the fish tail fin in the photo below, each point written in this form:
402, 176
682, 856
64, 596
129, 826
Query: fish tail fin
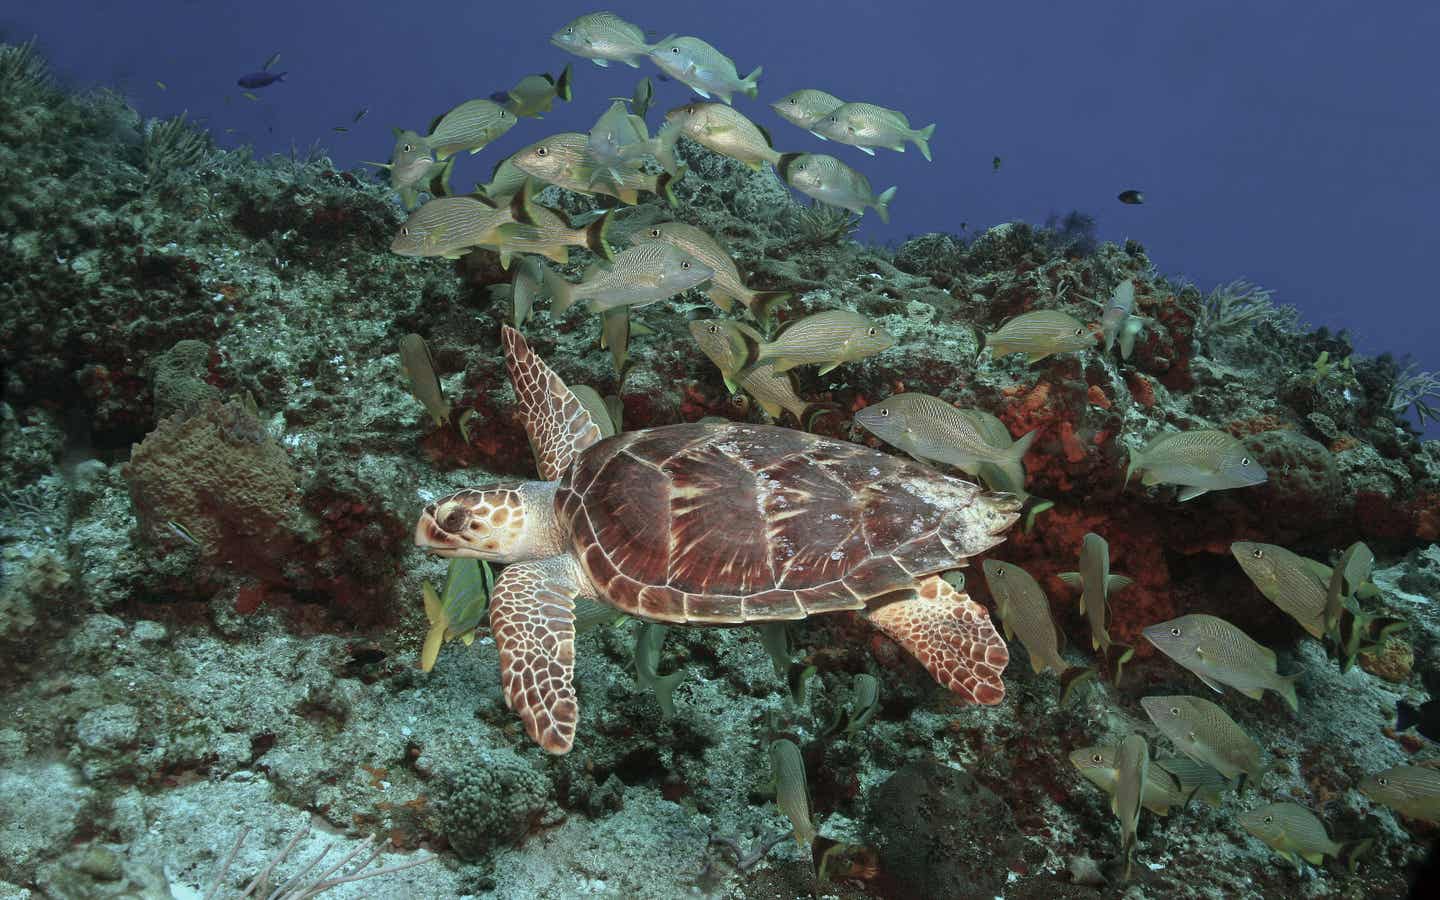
562, 84
663, 147
782, 165
1137, 461
980, 340
1405, 716
882, 203
750, 87
664, 184
440, 182
562, 293
1119, 654
1073, 678
763, 304
813, 411
1351, 851
1285, 687
1018, 449
922, 140
435, 613
520, 205
596, 233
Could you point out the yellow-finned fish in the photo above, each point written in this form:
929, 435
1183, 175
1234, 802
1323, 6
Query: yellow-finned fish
706, 70
534, 95
725, 287
997, 477
829, 180
1039, 334
725, 344
1132, 771
602, 38
1202, 731
1025, 611
725, 130
865, 125
788, 768
564, 160
469, 126
1169, 782
459, 610
827, 339
418, 365
1296, 833
618, 144
550, 235
1412, 791
506, 180
1222, 655
1200, 460
639, 275
448, 227
805, 107
1096, 584
413, 169
1289, 580
930, 429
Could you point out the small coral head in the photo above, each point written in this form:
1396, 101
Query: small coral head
482, 524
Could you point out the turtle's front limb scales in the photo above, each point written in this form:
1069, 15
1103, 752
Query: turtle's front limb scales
953, 638
532, 617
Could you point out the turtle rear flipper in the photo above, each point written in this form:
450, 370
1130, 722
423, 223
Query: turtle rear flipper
952, 636
532, 618
556, 421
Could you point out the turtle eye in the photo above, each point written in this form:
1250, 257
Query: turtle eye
452, 517
713, 329
1258, 553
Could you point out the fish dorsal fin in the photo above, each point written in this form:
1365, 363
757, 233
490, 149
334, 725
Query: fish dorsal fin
1266, 654
556, 421
765, 133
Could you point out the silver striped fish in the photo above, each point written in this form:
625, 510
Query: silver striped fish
1202, 731
1222, 655
829, 180
726, 287
805, 107
448, 227
1290, 581
469, 126
866, 125
826, 339
1039, 334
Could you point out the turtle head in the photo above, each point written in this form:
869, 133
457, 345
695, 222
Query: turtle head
504, 523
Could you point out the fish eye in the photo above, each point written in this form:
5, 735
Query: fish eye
685, 265
1258, 553
674, 49
793, 101
569, 30
1079, 331
1000, 570
654, 232
1175, 631
1382, 781
406, 148
405, 231
1095, 757
541, 151
872, 331
712, 328
1175, 711
884, 413
1268, 819
1244, 460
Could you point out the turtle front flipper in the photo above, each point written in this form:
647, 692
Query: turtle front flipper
953, 638
557, 422
532, 618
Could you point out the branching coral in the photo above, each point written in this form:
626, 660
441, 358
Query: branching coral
173, 146
1234, 306
22, 71
820, 224
1418, 389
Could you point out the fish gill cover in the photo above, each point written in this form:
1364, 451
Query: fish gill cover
216, 446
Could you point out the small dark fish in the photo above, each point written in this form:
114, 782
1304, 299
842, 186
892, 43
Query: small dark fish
364, 111
995, 164
271, 61
1132, 197
257, 80
1424, 718
340, 129
162, 86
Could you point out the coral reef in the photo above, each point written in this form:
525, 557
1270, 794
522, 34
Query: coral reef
210, 606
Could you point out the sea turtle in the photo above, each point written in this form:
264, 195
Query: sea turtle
711, 524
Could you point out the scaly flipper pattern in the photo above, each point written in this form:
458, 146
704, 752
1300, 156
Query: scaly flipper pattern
556, 421
532, 617
953, 638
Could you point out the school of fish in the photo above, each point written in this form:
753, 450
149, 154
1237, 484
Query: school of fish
620, 159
